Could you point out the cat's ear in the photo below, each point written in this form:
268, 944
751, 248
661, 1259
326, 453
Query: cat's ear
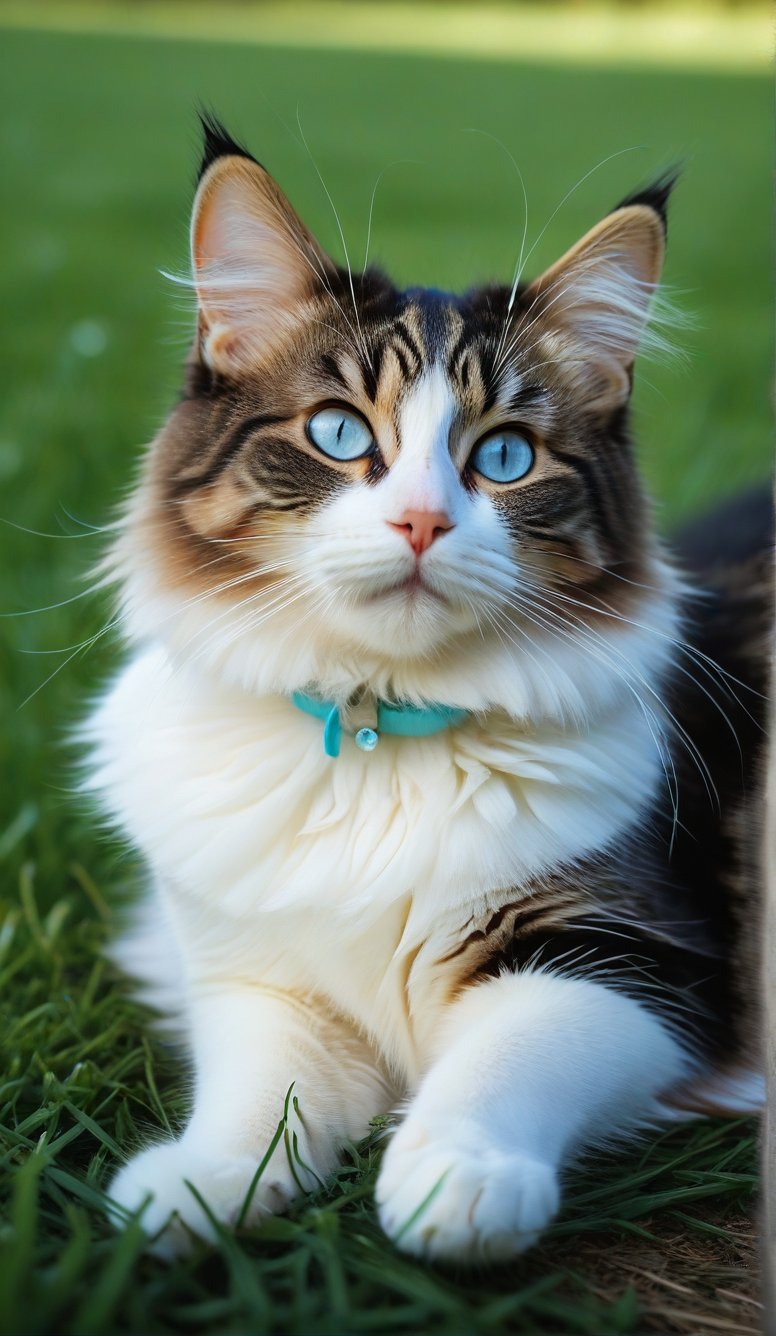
593, 304
254, 261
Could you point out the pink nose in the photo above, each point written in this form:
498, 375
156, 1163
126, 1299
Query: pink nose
421, 527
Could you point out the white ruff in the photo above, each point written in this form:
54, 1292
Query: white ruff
232, 797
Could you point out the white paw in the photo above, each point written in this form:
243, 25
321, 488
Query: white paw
446, 1197
159, 1177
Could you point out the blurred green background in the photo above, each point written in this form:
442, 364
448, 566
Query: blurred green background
98, 149
99, 146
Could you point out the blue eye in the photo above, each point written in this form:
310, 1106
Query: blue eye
503, 457
340, 434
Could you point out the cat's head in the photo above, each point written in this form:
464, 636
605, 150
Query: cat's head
434, 494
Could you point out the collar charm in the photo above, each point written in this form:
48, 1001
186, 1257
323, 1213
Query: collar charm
366, 739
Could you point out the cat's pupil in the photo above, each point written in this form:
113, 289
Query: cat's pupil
340, 429
504, 453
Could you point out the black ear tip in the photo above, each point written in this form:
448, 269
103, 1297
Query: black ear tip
656, 195
217, 142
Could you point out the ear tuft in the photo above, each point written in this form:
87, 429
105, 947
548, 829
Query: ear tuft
217, 142
654, 196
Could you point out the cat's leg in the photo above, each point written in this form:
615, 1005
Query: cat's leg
530, 1069
249, 1046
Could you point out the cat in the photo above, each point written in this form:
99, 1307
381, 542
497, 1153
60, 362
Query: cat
445, 767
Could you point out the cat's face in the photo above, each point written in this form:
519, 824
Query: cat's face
365, 477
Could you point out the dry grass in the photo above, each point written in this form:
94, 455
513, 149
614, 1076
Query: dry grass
685, 1283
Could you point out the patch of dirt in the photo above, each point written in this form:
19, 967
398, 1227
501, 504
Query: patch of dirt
688, 1282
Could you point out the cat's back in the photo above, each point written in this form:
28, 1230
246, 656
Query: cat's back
720, 684
719, 696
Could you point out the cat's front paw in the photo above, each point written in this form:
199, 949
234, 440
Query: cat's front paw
156, 1183
446, 1197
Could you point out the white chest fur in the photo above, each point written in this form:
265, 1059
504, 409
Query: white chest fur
281, 851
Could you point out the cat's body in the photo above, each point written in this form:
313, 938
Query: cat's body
529, 922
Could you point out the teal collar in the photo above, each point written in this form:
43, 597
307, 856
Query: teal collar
405, 721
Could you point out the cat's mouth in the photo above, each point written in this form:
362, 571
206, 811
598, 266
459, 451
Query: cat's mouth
411, 588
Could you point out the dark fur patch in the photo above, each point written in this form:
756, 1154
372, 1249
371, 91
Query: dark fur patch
217, 142
655, 196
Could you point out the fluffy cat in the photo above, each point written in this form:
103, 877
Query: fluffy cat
527, 914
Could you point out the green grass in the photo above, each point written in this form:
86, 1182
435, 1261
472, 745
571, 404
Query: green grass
97, 151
